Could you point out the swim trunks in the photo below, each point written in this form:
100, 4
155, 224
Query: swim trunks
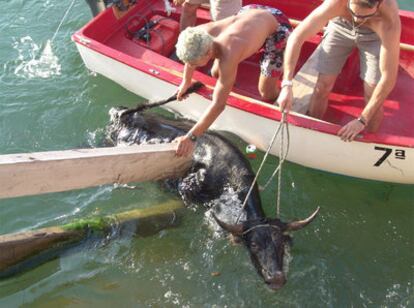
271, 61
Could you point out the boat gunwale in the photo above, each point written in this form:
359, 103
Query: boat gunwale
171, 73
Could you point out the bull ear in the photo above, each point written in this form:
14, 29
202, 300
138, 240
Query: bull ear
299, 224
233, 229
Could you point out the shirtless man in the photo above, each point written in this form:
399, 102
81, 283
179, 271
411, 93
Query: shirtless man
371, 25
229, 42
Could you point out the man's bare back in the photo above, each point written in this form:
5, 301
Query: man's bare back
229, 42
238, 36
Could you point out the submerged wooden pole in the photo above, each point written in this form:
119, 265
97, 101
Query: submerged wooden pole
20, 251
45, 172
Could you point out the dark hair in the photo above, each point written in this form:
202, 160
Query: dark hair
369, 3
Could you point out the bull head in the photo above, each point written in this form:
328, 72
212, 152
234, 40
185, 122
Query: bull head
266, 240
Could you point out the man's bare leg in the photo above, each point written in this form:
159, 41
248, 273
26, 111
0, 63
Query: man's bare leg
375, 121
319, 99
188, 16
268, 88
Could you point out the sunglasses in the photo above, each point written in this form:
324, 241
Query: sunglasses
362, 16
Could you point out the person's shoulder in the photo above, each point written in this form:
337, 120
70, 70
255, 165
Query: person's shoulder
390, 9
334, 3
229, 59
389, 5
332, 7
327, 10
389, 25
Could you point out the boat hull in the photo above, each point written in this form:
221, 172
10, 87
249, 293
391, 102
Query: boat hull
308, 147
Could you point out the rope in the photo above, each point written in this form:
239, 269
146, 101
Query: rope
281, 161
61, 22
283, 158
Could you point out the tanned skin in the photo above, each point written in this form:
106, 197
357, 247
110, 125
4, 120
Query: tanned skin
234, 39
385, 23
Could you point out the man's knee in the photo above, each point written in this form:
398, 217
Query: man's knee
269, 93
323, 87
268, 88
319, 100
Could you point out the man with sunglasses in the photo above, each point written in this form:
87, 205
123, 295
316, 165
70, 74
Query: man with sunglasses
374, 27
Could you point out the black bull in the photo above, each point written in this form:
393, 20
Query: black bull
217, 165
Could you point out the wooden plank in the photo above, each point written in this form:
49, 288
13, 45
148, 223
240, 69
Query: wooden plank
304, 84
23, 250
45, 172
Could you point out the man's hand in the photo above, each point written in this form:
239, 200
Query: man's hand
178, 2
285, 99
183, 87
185, 146
351, 130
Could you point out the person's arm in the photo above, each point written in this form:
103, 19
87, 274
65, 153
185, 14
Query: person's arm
220, 95
389, 62
221, 92
186, 82
311, 25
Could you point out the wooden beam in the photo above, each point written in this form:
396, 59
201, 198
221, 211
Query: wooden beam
24, 250
45, 172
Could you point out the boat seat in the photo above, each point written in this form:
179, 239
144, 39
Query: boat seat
304, 84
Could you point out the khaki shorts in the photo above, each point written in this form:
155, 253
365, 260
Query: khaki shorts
220, 9
339, 41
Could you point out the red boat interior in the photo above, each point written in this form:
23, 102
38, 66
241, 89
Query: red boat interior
136, 35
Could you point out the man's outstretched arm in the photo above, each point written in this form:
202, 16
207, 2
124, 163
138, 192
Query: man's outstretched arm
221, 93
311, 25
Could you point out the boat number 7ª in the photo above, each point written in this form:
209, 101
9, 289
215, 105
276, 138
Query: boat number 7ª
399, 154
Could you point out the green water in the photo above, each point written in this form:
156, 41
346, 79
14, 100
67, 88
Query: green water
358, 253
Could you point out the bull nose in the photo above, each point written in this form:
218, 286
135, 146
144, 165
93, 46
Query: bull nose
276, 281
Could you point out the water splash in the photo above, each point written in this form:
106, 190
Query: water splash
227, 208
30, 66
47, 64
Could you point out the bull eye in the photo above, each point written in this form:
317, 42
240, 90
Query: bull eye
254, 246
275, 234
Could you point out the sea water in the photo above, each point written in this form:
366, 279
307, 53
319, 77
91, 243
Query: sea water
359, 252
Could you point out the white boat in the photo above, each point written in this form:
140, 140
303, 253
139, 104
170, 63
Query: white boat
110, 47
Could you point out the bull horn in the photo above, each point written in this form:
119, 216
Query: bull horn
233, 229
299, 224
